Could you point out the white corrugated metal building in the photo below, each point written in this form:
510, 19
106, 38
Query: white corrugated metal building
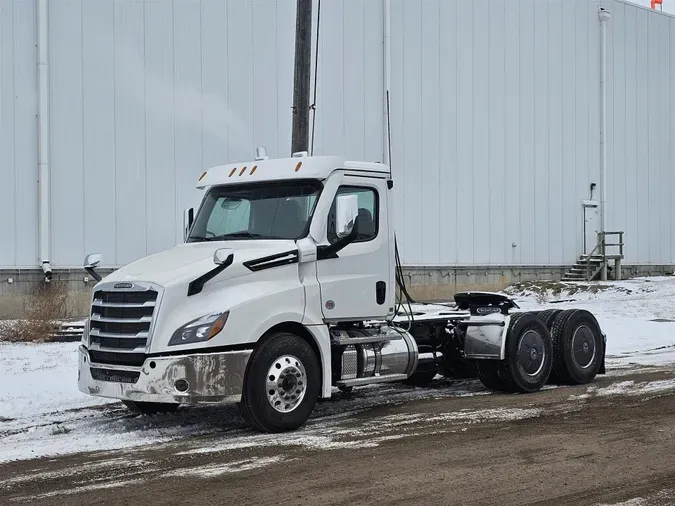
495, 114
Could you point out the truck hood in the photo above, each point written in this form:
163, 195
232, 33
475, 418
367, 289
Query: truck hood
191, 260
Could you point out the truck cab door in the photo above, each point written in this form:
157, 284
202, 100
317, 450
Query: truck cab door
356, 283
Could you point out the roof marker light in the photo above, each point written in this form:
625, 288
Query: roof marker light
253, 169
297, 167
243, 169
232, 172
202, 176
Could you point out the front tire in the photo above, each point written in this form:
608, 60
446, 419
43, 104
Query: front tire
281, 385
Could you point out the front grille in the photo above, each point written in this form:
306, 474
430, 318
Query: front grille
122, 319
131, 327
121, 297
114, 358
125, 312
124, 343
115, 376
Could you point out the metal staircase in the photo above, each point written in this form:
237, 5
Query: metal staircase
589, 266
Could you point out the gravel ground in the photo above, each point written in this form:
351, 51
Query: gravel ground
610, 442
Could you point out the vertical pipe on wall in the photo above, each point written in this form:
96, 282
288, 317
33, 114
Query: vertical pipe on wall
386, 81
43, 137
604, 16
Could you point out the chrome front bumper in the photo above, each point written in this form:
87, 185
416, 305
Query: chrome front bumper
210, 377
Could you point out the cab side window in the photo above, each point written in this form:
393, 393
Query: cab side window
368, 219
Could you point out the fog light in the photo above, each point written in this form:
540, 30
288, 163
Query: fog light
182, 385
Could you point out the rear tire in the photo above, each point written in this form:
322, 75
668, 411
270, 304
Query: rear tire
281, 385
490, 374
420, 379
578, 347
529, 354
548, 317
150, 408
459, 369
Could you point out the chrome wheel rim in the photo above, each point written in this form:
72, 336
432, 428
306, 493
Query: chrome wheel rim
286, 383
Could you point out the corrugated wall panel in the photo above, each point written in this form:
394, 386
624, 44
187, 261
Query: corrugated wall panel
495, 120
640, 144
98, 88
431, 196
130, 148
18, 134
146, 95
67, 133
525, 207
523, 146
447, 132
512, 63
481, 128
568, 183
465, 136
671, 135
498, 123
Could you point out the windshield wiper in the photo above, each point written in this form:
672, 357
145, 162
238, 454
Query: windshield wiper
234, 235
197, 239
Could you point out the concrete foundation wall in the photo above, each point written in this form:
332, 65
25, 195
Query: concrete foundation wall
424, 283
18, 286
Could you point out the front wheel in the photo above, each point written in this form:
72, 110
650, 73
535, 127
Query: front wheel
281, 385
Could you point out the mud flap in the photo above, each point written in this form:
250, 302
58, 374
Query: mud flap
604, 349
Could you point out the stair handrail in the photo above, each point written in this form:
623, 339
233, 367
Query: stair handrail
619, 244
599, 245
602, 247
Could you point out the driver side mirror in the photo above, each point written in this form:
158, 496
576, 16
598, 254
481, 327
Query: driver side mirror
347, 209
90, 263
188, 219
93, 260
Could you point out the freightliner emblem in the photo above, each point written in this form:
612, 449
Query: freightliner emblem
123, 285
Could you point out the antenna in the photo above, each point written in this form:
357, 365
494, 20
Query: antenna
389, 134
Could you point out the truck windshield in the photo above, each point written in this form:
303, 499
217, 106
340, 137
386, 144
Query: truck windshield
258, 211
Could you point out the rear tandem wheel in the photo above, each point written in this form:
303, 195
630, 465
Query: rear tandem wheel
528, 361
578, 347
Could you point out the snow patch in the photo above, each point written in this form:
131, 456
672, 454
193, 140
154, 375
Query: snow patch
38, 378
76, 490
73, 471
213, 470
641, 388
637, 501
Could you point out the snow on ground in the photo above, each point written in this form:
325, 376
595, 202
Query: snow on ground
39, 378
42, 413
637, 315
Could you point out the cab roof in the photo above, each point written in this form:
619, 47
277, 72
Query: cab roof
274, 169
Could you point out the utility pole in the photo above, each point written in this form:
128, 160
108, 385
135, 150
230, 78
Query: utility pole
301, 78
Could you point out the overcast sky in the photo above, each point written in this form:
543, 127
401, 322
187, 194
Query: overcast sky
668, 5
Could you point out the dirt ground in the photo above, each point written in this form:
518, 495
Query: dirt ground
610, 443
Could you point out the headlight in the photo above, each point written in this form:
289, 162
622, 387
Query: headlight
201, 329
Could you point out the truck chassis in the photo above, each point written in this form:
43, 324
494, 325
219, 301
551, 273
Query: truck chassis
480, 336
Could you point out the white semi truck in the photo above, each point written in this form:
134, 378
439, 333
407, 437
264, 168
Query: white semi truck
288, 286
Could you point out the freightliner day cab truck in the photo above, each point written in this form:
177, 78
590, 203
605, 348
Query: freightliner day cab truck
287, 286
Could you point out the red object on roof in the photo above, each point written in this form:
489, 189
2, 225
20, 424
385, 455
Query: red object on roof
654, 2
